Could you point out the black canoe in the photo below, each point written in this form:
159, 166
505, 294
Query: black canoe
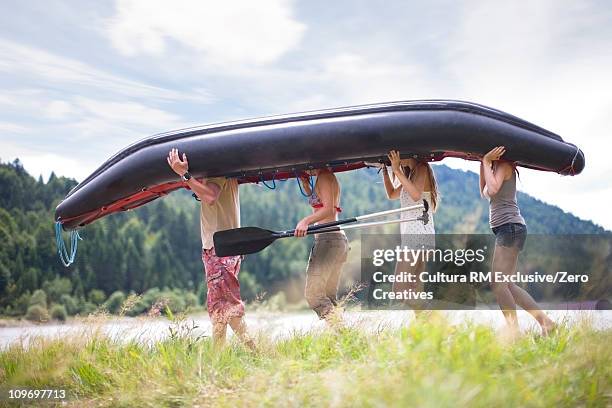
280, 147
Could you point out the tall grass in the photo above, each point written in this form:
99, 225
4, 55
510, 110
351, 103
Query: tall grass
428, 364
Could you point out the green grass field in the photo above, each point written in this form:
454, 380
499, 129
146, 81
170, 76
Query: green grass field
428, 364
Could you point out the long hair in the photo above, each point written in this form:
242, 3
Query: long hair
411, 174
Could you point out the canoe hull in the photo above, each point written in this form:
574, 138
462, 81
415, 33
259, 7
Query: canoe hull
343, 139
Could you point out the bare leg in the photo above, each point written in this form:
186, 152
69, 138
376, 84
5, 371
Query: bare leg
239, 327
415, 287
524, 300
418, 287
219, 333
504, 260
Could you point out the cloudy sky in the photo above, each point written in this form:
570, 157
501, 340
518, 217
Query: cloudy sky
78, 84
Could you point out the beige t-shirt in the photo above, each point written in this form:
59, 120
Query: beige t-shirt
223, 214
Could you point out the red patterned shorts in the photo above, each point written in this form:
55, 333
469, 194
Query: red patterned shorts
223, 294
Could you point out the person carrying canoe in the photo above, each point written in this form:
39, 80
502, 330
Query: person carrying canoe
412, 182
220, 210
330, 250
498, 185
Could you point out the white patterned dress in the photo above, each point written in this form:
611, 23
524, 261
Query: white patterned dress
415, 234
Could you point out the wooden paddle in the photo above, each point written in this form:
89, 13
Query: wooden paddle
248, 240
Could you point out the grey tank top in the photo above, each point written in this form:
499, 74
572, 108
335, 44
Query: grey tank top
503, 207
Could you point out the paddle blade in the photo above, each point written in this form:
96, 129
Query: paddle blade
242, 241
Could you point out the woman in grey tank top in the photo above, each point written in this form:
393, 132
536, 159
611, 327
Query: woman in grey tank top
498, 184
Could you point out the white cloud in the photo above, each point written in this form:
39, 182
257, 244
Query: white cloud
111, 125
77, 118
84, 131
58, 109
39, 162
226, 32
541, 61
12, 128
20, 60
45, 163
362, 79
81, 112
349, 78
131, 113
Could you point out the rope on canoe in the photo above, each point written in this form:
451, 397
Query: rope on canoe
67, 256
310, 183
273, 185
570, 169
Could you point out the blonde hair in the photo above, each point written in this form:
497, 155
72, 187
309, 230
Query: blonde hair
411, 174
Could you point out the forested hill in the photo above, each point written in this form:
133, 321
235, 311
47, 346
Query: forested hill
158, 245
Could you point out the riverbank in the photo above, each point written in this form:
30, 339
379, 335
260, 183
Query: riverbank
275, 324
426, 363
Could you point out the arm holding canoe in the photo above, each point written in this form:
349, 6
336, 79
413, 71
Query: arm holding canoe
482, 182
207, 192
413, 187
305, 180
393, 193
493, 180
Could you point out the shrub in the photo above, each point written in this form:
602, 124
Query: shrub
87, 308
191, 300
148, 299
39, 297
97, 297
20, 306
5, 278
131, 303
37, 313
70, 304
277, 302
58, 312
144, 302
176, 301
249, 288
115, 301
202, 293
56, 288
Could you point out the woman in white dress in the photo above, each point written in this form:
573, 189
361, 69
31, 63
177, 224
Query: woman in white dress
413, 181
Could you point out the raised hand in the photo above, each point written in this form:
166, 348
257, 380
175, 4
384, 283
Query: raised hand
179, 166
394, 158
495, 154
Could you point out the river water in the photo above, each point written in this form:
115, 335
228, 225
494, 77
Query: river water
277, 325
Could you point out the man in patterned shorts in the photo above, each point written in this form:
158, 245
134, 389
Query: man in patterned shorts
220, 210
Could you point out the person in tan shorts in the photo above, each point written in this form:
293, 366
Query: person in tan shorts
330, 249
220, 210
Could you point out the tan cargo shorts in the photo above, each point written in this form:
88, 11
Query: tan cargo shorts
327, 257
